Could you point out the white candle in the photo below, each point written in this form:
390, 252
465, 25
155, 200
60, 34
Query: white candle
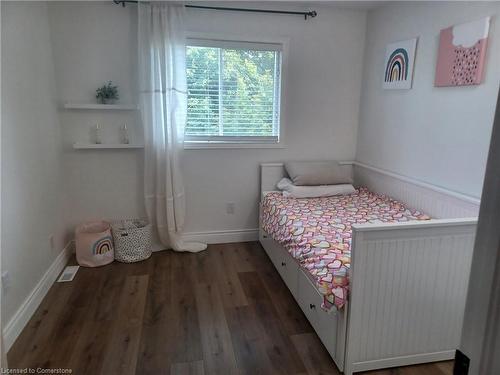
97, 134
125, 138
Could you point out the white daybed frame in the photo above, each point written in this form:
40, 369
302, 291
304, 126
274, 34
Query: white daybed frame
408, 281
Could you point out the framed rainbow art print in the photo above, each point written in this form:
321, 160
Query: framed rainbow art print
398, 67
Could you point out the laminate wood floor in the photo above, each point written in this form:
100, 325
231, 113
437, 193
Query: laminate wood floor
223, 311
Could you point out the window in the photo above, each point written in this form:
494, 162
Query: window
233, 92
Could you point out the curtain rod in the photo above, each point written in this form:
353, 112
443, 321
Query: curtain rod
311, 13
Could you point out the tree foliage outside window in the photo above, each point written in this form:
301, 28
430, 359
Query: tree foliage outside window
232, 92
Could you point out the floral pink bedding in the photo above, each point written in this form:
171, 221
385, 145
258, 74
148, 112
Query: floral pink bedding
317, 232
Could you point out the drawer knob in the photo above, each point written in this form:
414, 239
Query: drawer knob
283, 264
312, 306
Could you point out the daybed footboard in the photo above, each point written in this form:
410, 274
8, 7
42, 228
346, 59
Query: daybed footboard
408, 292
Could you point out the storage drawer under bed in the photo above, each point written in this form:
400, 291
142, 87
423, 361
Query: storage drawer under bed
323, 322
284, 263
330, 327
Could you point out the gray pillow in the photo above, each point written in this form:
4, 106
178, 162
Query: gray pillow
318, 173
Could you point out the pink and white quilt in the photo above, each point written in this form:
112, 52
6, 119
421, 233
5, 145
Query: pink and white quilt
317, 232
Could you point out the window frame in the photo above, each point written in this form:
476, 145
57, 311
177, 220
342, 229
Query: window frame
238, 41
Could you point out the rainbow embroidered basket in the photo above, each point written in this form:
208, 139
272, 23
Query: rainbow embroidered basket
94, 244
133, 241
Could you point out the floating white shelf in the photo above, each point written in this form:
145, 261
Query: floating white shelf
92, 106
104, 146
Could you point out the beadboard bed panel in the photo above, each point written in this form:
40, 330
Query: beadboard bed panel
408, 291
433, 200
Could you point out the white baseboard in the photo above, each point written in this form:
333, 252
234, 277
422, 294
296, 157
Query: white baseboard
22, 316
414, 359
223, 236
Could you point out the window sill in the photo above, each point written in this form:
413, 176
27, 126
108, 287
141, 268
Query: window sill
229, 145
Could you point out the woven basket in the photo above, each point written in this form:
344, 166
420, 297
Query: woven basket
132, 240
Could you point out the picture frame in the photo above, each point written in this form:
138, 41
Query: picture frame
398, 65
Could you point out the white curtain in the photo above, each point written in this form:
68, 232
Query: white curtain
163, 104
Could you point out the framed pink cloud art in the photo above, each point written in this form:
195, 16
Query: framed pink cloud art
462, 54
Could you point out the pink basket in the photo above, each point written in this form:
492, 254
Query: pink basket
94, 244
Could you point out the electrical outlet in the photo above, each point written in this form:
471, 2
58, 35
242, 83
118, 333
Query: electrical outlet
230, 208
5, 280
51, 241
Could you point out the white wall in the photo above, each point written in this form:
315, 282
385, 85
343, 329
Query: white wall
94, 42
31, 152
437, 135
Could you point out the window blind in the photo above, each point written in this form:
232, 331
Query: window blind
233, 91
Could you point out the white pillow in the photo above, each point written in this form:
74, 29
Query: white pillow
294, 191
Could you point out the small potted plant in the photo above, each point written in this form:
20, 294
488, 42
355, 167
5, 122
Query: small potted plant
107, 94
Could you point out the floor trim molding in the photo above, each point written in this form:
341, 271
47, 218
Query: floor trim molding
22, 316
223, 236
412, 359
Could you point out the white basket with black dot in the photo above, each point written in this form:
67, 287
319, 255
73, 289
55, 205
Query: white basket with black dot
133, 240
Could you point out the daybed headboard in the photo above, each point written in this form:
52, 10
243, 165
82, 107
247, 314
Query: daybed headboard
436, 201
272, 173
433, 200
